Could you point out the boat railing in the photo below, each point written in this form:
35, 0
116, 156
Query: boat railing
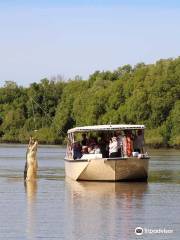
89, 157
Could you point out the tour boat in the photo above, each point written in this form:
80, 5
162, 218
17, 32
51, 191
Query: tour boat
98, 167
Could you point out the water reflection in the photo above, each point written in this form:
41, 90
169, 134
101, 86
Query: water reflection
31, 189
102, 209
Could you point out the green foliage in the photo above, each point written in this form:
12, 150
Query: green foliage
174, 123
145, 94
45, 135
154, 138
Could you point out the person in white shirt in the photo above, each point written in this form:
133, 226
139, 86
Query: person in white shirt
119, 138
97, 149
113, 148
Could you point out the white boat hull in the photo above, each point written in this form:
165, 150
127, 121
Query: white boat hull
107, 169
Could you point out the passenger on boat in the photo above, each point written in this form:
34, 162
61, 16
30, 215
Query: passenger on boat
97, 149
113, 148
104, 147
90, 150
120, 142
128, 144
92, 141
84, 141
84, 149
77, 154
139, 141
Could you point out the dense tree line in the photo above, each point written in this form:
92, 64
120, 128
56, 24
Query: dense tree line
144, 94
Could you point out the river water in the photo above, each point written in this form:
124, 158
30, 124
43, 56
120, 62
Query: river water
56, 208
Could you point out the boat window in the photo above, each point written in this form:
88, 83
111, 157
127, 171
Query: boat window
110, 144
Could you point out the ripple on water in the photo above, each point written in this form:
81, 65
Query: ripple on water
57, 208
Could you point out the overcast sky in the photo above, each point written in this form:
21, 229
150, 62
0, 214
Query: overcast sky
49, 37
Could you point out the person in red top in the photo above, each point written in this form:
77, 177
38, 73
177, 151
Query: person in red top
128, 144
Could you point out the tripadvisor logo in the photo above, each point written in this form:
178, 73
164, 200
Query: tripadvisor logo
138, 231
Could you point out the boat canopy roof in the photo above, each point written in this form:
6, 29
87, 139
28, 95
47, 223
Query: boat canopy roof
110, 127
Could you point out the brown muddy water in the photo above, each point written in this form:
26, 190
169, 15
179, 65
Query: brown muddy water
56, 208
